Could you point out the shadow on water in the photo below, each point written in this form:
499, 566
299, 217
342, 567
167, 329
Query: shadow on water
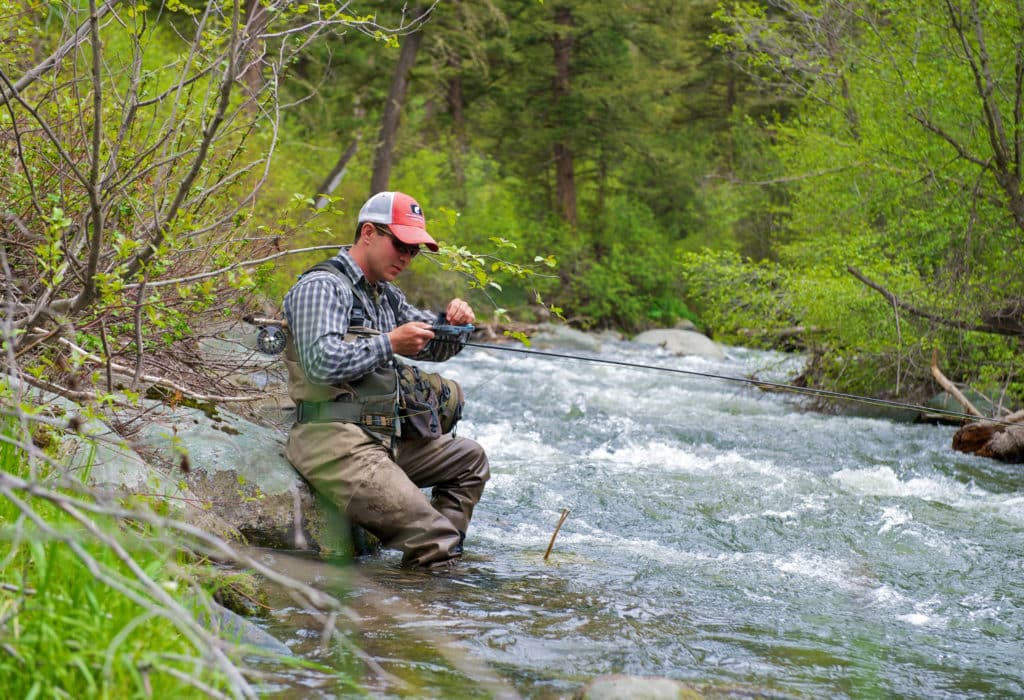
405, 637
717, 536
480, 632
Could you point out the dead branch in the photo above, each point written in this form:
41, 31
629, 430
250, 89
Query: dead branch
950, 388
162, 381
233, 266
997, 329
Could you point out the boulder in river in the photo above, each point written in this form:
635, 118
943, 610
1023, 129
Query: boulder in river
553, 335
225, 474
680, 341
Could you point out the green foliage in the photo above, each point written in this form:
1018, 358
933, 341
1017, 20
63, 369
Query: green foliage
893, 168
736, 295
623, 279
646, 112
65, 632
814, 138
128, 198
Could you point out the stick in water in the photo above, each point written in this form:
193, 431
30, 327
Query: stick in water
565, 514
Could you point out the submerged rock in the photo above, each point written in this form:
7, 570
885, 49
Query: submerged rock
626, 687
636, 688
233, 627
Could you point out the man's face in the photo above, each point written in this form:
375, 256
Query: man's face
386, 256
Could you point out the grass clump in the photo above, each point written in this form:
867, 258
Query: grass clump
90, 606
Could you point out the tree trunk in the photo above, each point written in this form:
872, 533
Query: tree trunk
333, 179
565, 176
252, 73
456, 107
384, 157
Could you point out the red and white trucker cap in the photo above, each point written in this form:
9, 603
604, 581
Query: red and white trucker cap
401, 214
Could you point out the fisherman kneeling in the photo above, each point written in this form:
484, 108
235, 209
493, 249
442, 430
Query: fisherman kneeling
346, 324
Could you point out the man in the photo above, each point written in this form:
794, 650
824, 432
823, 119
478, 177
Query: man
346, 324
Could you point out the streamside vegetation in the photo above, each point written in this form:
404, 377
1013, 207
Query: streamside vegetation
91, 608
837, 178
901, 225
103, 596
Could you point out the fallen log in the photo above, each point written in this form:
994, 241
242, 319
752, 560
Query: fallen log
1002, 440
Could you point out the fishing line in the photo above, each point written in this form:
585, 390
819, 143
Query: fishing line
806, 391
271, 341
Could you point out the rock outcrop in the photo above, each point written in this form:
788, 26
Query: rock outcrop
223, 473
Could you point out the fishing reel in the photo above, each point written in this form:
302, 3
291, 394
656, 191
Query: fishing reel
270, 340
456, 335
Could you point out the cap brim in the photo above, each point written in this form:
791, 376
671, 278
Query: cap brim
413, 236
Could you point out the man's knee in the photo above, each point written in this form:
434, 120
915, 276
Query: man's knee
474, 460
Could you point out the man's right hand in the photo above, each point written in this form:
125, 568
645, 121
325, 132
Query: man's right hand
410, 338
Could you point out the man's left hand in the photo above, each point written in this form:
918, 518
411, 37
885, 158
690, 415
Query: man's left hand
459, 313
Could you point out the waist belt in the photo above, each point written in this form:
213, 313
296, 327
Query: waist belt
340, 412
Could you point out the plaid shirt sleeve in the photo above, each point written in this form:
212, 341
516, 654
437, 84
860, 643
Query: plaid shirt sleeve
317, 309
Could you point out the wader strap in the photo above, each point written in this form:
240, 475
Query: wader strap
340, 412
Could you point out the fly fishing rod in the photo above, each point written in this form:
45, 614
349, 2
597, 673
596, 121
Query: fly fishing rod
271, 340
461, 334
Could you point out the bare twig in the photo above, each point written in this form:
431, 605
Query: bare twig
233, 266
565, 514
139, 344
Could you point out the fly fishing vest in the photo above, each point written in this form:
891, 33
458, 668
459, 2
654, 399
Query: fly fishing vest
390, 402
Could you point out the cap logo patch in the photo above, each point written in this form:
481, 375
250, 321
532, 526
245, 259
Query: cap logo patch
415, 209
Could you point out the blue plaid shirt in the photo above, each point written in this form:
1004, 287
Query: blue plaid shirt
318, 309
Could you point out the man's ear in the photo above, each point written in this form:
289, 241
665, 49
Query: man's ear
361, 229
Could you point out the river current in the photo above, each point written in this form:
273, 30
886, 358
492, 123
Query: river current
717, 534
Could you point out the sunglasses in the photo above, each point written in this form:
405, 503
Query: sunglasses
401, 248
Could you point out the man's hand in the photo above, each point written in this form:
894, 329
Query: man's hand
410, 338
459, 313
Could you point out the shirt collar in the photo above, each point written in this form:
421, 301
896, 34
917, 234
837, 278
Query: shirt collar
354, 272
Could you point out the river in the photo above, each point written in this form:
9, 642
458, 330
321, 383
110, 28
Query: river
717, 534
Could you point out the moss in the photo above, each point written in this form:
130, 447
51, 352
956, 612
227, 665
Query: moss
240, 592
174, 398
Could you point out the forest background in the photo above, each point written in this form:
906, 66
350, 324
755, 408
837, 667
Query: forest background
838, 178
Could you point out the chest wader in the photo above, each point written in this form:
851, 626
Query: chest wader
336, 445
371, 402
